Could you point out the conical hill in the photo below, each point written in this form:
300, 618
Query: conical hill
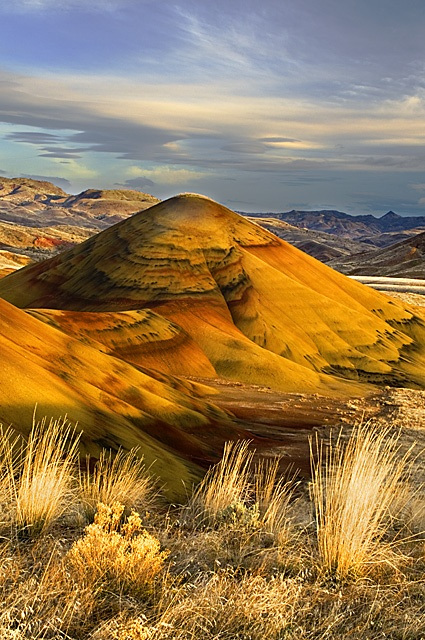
250, 306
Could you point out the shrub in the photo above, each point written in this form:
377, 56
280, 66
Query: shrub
115, 556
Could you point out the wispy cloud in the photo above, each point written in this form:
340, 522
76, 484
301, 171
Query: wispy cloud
21, 6
166, 175
171, 124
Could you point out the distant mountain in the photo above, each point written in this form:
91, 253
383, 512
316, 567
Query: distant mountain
360, 228
38, 219
404, 259
41, 204
320, 245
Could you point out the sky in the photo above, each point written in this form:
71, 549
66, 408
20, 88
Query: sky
263, 106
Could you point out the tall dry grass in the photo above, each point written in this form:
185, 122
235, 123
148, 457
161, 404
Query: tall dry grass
235, 491
226, 486
37, 474
354, 488
273, 494
117, 477
8, 446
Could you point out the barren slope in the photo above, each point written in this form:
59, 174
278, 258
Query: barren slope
114, 403
404, 260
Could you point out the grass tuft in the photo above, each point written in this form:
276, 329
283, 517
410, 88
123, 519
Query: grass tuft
117, 477
226, 486
39, 474
354, 489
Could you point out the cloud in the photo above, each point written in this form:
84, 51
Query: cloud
165, 175
77, 171
61, 152
136, 183
31, 6
32, 137
277, 139
245, 147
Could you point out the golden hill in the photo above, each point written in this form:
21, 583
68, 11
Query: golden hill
114, 403
246, 305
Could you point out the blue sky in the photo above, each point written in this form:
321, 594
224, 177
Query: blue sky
262, 106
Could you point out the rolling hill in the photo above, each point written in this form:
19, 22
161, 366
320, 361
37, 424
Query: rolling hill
115, 404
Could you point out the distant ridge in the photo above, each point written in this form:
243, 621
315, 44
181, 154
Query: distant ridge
360, 228
40, 203
404, 259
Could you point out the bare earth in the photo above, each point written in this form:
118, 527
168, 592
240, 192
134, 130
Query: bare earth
288, 421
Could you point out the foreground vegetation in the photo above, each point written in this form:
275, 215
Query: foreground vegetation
98, 554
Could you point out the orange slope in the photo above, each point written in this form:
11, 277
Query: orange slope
173, 422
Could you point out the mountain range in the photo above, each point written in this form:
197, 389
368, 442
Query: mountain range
368, 229
38, 219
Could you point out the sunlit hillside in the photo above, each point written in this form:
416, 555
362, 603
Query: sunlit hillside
243, 304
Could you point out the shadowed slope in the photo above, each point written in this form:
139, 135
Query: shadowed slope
140, 337
260, 310
114, 403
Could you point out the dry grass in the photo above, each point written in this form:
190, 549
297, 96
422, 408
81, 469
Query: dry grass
354, 489
8, 446
273, 495
233, 564
225, 606
225, 488
37, 475
117, 477
236, 492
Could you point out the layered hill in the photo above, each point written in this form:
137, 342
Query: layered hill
115, 404
10, 261
242, 304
